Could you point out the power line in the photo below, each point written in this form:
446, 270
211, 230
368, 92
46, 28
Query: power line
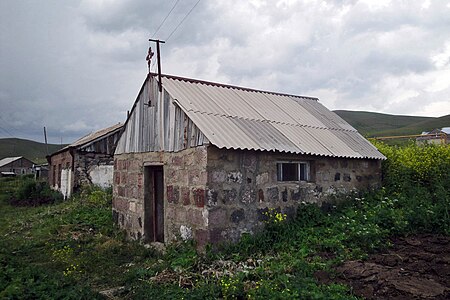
4, 129
185, 17
9, 133
162, 23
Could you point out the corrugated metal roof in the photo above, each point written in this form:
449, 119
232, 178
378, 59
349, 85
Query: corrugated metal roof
95, 135
91, 137
239, 118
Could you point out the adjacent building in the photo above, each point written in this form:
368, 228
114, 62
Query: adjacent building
88, 161
10, 166
41, 172
207, 161
438, 136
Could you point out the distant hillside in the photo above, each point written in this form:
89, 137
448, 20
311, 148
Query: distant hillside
417, 128
30, 149
375, 124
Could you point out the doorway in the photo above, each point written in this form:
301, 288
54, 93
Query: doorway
154, 204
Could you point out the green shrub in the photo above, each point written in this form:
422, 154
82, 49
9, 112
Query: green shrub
182, 255
94, 196
309, 215
419, 177
415, 166
34, 193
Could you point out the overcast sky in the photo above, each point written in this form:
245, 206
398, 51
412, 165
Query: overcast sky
76, 66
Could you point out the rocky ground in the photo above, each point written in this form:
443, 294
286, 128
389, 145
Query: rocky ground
416, 267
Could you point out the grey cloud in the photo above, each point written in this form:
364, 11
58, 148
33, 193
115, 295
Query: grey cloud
50, 76
120, 16
77, 66
394, 63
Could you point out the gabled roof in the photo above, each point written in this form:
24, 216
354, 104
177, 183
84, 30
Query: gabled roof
91, 138
446, 130
233, 117
7, 160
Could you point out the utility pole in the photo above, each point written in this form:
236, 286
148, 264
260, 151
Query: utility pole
45, 137
160, 94
158, 57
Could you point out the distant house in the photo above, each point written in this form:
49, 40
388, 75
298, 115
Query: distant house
435, 136
41, 171
206, 161
16, 165
87, 161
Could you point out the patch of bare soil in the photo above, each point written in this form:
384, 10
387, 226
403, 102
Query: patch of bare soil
416, 267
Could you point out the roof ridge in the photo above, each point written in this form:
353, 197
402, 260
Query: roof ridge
230, 86
102, 132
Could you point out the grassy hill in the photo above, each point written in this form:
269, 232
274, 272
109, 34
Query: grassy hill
376, 124
32, 150
417, 128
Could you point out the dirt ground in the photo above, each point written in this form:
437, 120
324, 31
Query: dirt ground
416, 267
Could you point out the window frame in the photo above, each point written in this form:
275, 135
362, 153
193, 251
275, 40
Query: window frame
307, 164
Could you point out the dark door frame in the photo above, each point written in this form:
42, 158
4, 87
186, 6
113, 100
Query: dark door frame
154, 203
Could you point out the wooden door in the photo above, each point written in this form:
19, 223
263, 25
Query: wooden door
154, 204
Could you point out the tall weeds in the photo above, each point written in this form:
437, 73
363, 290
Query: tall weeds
419, 176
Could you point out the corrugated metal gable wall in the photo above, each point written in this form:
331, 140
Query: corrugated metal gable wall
160, 123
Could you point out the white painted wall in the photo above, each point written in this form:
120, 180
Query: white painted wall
102, 175
66, 183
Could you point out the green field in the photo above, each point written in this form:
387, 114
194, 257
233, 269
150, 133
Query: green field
34, 151
72, 250
375, 124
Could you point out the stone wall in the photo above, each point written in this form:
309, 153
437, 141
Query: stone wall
93, 168
89, 168
215, 195
185, 180
242, 186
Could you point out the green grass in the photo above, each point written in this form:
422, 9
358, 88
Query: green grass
72, 250
376, 124
34, 151
68, 250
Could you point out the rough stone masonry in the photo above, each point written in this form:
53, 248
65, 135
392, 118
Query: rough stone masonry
214, 195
